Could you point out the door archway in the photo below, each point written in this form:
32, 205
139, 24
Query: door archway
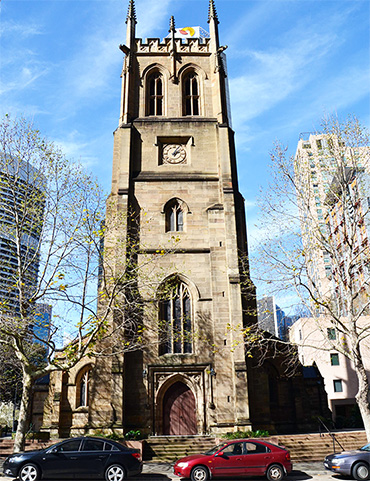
179, 414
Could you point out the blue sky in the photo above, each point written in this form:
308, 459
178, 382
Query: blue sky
289, 64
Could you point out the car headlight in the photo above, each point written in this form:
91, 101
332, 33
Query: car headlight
15, 459
337, 461
183, 464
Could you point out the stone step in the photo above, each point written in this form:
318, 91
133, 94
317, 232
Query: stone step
6, 445
315, 447
170, 448
302, 447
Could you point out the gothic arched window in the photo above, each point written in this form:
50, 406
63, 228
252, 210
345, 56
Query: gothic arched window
155, 94
82, 385
174, 217
175, 332
191, 94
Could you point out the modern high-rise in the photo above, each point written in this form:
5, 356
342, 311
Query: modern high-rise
21, 208
333, 197
273, 319
332, 193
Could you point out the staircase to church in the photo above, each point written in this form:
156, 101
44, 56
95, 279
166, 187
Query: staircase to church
6, 445
314, 447
302, 447
170, 448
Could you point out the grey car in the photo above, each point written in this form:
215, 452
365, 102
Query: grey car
350, 463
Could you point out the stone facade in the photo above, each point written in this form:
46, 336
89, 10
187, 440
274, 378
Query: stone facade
174, 165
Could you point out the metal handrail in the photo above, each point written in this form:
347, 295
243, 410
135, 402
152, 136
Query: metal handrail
331, 434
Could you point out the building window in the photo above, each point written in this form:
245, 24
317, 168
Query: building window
328, 272
338, 386
332, 335
175, 328
83, 381
155, 94
191, 94
174, 217
334, 359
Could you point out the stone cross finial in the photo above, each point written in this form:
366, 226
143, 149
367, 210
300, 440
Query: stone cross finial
212, 13
131, 13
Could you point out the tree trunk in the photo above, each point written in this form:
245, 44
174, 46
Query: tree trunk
20, 436
362, 396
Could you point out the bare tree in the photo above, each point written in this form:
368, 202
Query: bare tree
52, 235
315, 240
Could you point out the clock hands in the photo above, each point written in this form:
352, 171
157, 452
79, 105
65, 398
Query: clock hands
173, 153
176, 151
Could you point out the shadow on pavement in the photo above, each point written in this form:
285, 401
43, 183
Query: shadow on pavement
151, 476
296, 474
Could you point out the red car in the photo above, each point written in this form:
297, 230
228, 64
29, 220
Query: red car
240, 457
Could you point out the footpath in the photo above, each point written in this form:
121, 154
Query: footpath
164, 471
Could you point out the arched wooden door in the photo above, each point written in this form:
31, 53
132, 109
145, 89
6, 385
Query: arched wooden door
179, 416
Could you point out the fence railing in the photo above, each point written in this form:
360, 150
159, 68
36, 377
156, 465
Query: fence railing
331, 434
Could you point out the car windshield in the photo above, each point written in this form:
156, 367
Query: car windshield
216, 448
365, 448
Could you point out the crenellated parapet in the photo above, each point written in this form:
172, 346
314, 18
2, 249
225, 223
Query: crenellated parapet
156, 46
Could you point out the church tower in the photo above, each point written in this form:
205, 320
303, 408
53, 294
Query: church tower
174, 165
175, 195
175, 211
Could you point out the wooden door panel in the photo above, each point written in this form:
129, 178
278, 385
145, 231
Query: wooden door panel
179, 416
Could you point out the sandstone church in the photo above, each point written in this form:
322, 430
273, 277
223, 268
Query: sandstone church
174, 163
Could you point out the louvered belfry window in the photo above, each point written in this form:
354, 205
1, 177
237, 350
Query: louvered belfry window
155, 97
191, 94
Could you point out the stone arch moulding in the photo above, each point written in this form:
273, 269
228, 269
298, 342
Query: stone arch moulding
192, 66
147, 72
180, 207
181, 202
166, 381
202, 76
193, 289
79, 370
84, 370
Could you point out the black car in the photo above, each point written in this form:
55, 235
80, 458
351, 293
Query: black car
350, 463
84, 457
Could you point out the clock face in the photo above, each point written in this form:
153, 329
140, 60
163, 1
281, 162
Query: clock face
174, 153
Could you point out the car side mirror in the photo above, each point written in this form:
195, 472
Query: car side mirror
53, 451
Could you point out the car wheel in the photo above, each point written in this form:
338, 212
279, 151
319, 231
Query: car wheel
28, 472
274, 472
199, 473
115, 473
360, 471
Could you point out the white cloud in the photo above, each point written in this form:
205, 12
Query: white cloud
90, 71
151, 14
75, 147
275, 75
344, 90
22, 31
250, 204
297, 67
